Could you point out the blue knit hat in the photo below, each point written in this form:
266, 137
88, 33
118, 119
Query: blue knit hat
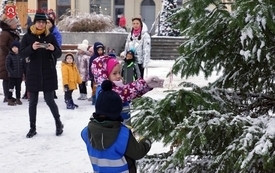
15, 44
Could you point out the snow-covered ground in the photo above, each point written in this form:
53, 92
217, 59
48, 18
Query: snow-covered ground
46, 153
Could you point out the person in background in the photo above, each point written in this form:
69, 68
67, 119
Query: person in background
42, 49
8, 35
15, 68
122, 22
130, 70
99, 50
52, 15
29, 22
54, 30
82, 62
111, 145
70, 79
140, 41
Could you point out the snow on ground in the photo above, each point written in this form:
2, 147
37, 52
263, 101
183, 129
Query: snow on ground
46, 153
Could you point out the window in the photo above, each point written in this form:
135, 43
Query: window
147, 3
119, 2
63, 7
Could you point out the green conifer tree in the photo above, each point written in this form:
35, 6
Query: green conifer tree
226, 126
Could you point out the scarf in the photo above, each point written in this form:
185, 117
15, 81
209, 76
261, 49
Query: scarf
36, 31
136, 32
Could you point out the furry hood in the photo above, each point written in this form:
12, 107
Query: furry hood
4, 26
99, 68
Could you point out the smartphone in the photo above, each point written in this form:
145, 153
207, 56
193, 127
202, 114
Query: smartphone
44, 45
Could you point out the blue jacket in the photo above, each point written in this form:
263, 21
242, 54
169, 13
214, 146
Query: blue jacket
95, 55
125, 114
57, 35
112, 159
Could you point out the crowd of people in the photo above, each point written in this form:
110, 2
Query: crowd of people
114, 85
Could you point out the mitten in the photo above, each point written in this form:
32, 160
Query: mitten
145, 140
66, 88
118, 83
154, 82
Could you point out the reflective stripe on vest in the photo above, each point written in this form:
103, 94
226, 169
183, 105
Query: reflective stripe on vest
111, 159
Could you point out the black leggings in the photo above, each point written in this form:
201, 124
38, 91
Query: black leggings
49, 98
5, 84
68, 95
141, 69
83, 88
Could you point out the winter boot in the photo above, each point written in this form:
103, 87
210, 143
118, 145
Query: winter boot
80, 97
32, 131
11, 102
25, 96
5, 100
93, 100
69, 104
18, 101
84, 97
75, 105
59, 128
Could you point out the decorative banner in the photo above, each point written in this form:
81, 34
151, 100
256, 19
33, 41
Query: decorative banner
10, 11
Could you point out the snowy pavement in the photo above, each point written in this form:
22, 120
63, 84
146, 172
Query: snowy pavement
46, 153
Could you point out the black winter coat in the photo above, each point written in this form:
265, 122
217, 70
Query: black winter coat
15, 65
41, 72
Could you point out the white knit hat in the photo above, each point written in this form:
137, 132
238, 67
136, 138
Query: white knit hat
84, 45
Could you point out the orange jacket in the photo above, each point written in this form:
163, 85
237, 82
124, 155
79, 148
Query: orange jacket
70, 75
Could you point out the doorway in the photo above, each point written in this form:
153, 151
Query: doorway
148, 12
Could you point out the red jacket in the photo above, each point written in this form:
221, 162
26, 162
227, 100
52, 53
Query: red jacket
122, 21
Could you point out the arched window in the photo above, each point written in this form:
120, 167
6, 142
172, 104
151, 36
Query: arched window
119, 2
148, 3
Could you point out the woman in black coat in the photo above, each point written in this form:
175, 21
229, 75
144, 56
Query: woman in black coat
42, 49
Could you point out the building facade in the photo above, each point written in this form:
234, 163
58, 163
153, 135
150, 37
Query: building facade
148, 9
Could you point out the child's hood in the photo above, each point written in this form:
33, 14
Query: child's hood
99, 69
103, 135
97, 45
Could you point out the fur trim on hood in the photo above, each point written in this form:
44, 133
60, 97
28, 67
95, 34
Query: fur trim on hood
4, 26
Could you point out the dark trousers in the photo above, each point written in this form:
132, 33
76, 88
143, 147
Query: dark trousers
68, 95
15, 82
49, 98
141, 69
5, 84
82, 88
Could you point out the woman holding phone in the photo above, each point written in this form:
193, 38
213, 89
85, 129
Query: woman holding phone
43, 50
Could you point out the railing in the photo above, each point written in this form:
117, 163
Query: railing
156, 22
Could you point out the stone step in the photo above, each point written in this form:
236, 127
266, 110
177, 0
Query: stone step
154, 51
167, 47
165, 44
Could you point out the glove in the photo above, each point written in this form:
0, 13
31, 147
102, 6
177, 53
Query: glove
118, 83
154, 82
66, 88
145, 140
